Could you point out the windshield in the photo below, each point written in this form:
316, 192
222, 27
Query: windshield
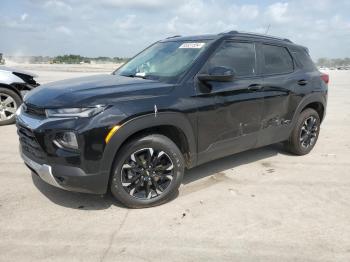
163, 60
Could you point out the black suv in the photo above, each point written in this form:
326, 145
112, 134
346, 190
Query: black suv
181, 102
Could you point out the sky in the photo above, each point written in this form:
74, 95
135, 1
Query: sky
124, 27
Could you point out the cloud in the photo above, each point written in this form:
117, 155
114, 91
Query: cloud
64, 30
15, 25
127, 23
250, 12
139, 4
56, 4
171, 25
123, 27
24, 16
198, 17
278, 12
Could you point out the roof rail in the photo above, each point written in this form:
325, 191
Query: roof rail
229, 32
256, 35
173, 36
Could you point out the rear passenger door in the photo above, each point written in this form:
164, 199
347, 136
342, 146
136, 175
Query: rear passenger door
279, 84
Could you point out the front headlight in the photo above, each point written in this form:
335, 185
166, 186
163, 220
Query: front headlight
74, 112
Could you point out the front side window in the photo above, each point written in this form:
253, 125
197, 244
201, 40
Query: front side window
277, 60
240, 57
164, 60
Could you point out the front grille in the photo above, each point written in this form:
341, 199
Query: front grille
29, 144
33, 110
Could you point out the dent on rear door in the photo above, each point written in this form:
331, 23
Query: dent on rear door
278, 108
276, 103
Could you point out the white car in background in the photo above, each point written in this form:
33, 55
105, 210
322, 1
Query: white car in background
14, 84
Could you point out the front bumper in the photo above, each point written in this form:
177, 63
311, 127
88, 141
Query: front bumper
43, 171
67, 178
77, 171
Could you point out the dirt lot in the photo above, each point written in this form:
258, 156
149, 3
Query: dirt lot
261, 205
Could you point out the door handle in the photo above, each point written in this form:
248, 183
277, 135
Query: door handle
302, 82
255, 87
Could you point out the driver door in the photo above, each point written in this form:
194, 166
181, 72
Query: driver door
229, 117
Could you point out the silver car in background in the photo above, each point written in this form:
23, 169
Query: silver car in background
14, 84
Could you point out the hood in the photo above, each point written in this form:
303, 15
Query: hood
94, 90
14, 70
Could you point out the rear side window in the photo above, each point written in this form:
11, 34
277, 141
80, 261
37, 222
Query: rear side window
240, 57
277, 60
304, 60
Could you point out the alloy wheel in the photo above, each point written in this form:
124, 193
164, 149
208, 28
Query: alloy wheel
308, 132
8, 107
147, 173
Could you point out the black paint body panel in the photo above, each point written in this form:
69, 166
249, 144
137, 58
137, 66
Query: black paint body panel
227, 119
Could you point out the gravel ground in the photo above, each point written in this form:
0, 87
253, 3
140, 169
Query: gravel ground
260, 205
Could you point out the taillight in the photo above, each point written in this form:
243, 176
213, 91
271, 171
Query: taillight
325, 78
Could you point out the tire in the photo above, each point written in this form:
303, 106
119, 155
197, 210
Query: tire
305, 133
9, 102
147, 172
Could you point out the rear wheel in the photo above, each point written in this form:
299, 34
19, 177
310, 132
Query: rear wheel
147, 172
9, 102
305, 133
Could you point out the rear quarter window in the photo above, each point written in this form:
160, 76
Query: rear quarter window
304, 60
277, 60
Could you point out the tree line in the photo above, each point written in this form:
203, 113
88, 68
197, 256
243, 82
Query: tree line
77, 59
333, 62
64, 59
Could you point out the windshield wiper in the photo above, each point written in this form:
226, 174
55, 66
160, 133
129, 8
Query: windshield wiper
140, 76
151, 77
135, 75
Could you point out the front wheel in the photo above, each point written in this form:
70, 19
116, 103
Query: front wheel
9, 102
147, 172
305, 133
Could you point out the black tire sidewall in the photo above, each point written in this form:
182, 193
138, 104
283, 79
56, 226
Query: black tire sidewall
157, 142
295, 138
18, 101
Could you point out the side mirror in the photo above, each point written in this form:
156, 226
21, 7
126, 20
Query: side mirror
219, 74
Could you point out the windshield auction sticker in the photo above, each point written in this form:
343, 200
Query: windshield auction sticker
192, 45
